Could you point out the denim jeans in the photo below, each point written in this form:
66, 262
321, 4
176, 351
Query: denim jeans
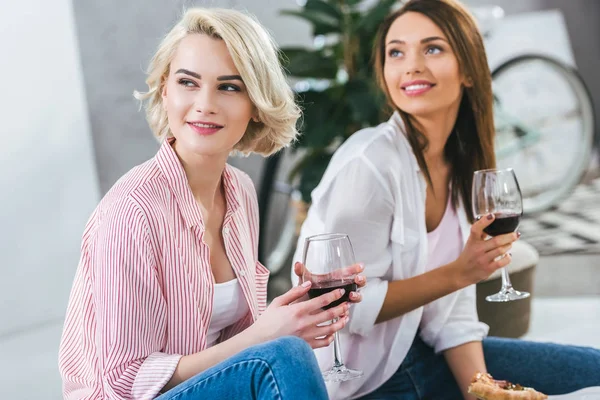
549, 368
282, 369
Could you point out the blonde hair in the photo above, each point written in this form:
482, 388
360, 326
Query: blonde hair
254, 54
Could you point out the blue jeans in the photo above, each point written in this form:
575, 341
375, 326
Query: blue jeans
282, 369
550, 368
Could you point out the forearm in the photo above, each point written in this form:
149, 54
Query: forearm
193, 364
406, 295
464, 361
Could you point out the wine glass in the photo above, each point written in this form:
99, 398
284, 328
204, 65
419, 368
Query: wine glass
326, 260
497, 191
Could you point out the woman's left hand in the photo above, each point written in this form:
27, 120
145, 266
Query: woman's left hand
354, 269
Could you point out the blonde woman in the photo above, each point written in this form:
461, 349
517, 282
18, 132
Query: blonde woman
169, 295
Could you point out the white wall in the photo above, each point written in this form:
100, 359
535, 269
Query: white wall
48, 184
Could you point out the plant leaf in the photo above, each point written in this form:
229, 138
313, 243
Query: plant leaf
374, 17
305, 63
322, 119
330, 9
362, 101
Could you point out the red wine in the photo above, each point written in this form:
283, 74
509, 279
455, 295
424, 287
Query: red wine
504, 223
318, 289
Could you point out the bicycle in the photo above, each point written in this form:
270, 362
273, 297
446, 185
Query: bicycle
521, 140
538, 100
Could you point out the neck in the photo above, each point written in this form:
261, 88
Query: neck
204, 174
437, 128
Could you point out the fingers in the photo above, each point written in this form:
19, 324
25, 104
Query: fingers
360, 280
479, 225
355, 297
328, 330
341, 273
292, 295
500, 240
328, 315
302, 272
353, 269
502, 262
321, 342
498, 252
322, 301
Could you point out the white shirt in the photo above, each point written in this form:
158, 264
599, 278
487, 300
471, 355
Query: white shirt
373, 190
229, 306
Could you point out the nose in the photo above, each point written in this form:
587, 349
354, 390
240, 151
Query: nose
415, 63
205, 101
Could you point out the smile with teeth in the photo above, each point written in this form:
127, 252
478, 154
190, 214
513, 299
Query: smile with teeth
412, 88
209, 126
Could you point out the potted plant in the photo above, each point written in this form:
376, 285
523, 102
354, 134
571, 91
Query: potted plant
334, 81
335, 85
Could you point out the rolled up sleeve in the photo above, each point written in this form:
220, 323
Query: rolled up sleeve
130, 307
452, 321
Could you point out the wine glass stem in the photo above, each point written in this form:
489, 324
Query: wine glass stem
506, 285
337, 354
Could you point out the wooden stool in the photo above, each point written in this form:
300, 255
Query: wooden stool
510, 319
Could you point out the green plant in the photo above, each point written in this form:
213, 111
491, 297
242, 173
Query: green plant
337, 89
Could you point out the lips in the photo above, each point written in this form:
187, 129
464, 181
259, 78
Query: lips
204, 128
415, 88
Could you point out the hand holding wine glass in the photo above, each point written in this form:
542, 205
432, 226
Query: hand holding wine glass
285, 316
481, 257
355, 269
497, 191
328, 260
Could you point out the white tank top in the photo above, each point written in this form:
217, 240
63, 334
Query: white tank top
444, 242
229, 306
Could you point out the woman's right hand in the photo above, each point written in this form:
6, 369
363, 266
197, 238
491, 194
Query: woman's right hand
480, 256
283, 317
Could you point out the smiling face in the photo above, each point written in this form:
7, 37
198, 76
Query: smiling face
420, 69
207, 104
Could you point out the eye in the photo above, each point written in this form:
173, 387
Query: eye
433, 50
229, 87
393, 53
186, 82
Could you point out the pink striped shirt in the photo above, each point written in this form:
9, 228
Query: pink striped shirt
142, 295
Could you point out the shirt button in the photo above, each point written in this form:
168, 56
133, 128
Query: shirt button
226, 231
242, 274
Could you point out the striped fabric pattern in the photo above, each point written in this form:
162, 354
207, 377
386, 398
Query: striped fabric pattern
142, 294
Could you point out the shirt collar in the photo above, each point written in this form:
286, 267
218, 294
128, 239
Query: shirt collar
171, 167
398, 124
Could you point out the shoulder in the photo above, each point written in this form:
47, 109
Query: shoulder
371, 154
127, 205
379, 147
242, 182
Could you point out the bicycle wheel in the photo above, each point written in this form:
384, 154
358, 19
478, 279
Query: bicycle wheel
277, 235
544, 122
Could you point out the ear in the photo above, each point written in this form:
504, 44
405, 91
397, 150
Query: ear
255, 115
467, 82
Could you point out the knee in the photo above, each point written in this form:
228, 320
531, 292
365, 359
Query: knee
288, 352
292, 346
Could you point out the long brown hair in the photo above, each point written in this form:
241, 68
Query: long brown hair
470, 146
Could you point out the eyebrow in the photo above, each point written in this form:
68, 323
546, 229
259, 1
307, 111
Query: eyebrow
198, 76
426, 40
